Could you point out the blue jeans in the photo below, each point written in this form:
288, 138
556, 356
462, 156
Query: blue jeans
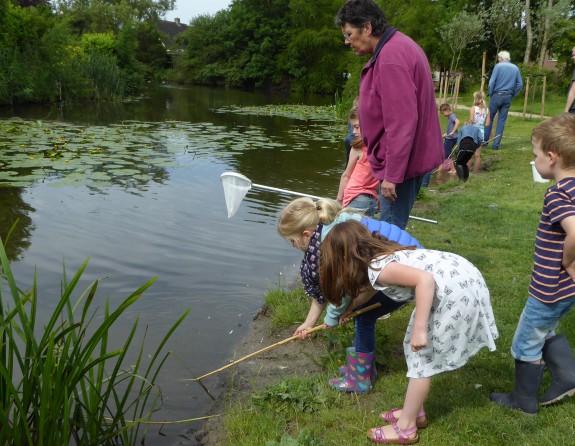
537, 323
365, 323
397, 212
365, 204
500, 104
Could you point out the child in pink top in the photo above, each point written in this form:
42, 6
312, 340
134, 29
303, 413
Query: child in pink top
358, 187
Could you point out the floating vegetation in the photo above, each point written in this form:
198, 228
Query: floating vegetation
133, 153
297, 111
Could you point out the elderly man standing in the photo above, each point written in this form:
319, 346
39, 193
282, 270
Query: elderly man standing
505, 83
397, 111
570, 105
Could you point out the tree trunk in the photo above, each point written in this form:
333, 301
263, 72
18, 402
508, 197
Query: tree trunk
545, 40
529, 32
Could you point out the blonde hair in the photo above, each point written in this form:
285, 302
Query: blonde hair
303, 214
557, 135
479, 99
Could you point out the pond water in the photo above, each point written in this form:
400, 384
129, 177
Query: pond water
136, 189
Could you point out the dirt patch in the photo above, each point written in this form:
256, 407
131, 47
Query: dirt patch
261, 371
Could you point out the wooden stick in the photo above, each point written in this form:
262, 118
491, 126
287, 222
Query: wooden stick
277, 344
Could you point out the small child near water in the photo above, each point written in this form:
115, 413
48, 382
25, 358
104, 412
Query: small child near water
357, 186
552, 288
452, 320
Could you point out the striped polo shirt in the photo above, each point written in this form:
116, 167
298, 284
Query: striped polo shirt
549, 280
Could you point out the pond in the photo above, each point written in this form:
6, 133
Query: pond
136, 188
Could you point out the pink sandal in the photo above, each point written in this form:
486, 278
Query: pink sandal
377, 436
420, 422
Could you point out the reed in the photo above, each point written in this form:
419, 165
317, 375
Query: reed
61, 383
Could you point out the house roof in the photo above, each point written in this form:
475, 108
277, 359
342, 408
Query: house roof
171, 29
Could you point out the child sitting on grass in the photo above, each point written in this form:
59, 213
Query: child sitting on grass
552, 288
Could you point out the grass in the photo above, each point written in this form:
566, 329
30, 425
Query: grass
491, 220
61, 383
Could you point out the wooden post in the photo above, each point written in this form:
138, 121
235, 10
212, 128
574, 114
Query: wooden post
447, 74
457, 84
526, 96
543, 96
441, 77
483, 71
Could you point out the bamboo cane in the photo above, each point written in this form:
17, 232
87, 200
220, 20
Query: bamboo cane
277, 344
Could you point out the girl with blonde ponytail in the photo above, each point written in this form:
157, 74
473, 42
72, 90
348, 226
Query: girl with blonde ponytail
304, 223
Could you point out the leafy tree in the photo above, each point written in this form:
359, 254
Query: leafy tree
462, 31
553, 17
503, 17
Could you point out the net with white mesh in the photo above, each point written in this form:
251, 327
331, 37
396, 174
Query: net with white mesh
236, 186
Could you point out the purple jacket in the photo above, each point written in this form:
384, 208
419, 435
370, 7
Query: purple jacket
397, 111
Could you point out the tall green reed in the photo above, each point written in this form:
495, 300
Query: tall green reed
60, 383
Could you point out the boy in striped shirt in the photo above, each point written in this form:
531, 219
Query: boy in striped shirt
552, 288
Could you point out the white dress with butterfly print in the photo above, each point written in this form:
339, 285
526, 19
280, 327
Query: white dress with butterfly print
461, 320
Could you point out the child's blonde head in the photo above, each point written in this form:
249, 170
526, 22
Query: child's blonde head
303, 214
557, 135
479, 99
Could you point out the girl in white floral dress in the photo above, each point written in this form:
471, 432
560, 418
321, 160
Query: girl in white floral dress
451, 322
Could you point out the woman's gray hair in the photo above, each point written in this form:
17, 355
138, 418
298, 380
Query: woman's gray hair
359, 12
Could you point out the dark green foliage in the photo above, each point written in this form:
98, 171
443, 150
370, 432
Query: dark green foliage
279, 45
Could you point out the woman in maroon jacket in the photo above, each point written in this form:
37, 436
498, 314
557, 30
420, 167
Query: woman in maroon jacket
397, 110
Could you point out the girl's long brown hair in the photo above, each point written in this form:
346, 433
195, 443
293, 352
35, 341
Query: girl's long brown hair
346, 254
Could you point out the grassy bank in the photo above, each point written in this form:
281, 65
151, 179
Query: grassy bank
490, 220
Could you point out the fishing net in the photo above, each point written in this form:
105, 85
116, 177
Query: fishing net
236, 186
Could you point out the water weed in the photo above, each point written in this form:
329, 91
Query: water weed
61, 383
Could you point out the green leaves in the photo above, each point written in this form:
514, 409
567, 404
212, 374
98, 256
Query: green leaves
61, 384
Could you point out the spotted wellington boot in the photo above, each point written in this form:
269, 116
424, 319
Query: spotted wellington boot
358, 377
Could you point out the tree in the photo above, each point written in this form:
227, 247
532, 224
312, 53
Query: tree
462, 31
551, 16
504, 16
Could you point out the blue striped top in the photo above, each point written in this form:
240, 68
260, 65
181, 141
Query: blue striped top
549, 280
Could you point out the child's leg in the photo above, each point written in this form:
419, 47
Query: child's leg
365, 323
405, 429
360, 369
477, 163
537, 323
364, 203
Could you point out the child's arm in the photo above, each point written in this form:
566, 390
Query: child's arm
457, 122
359, 300
472, 114
487, 119
313, 315
424, 283
568, 225
354, 156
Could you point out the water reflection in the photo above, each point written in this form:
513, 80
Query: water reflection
169, 220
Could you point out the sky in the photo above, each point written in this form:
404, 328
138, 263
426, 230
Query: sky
186, 10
